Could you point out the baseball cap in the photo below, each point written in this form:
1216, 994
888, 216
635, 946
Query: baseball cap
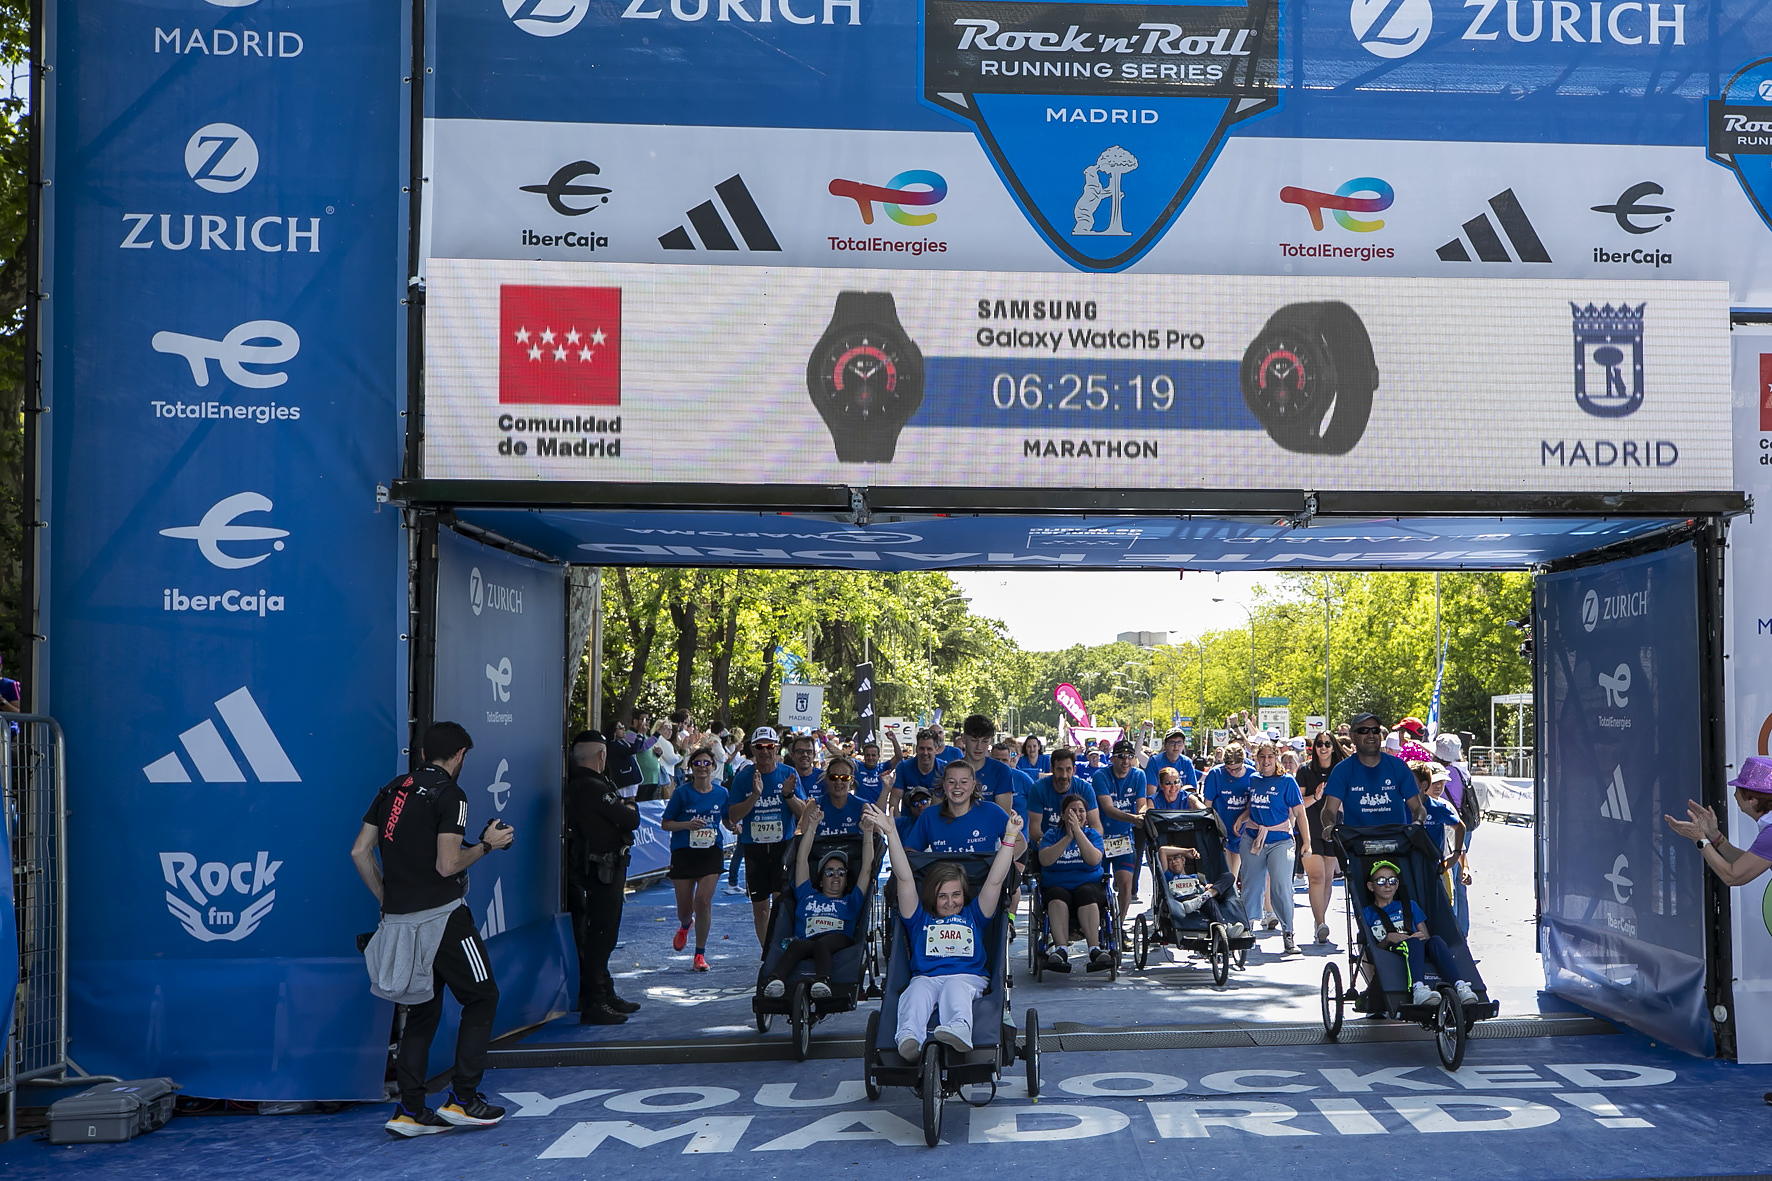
1123, 747
1393, 741
764, 734
919, 790
588, 736
1438, 774
1177, 733
1414, 726
1364, 717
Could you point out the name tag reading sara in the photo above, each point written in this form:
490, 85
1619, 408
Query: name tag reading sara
703, 838
765, 832
948, 940
1117, 847
822, 924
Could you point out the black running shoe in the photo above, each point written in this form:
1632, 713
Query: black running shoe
472, 1112
620, 1006
425, 1123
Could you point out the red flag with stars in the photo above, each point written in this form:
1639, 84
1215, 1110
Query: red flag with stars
559, 345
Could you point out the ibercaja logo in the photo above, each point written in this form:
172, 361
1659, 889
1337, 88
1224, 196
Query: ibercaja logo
1101, 118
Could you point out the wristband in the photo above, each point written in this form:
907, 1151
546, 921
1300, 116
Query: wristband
485, 847
1006, 843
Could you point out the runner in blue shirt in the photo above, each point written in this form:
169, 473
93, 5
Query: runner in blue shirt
1034, 762
945, 936
803, 758
841, 807
1372, 787
1227, 790
922, 771
944, 750
760, 794
692, 816
824, 911
873, 777
959, 825
1273, 814
1001, 783
914, 802
1120, 795
1070, 879
1044, 799
1173, 754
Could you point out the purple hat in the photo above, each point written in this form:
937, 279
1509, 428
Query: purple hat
1756, 775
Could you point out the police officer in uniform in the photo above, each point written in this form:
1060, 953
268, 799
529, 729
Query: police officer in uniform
412, 855
600, 826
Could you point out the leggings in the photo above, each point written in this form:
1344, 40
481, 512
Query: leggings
1436, 952
949, 997
1272, 867
819, 947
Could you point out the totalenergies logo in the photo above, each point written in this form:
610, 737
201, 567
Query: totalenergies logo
1363, 194
894, 195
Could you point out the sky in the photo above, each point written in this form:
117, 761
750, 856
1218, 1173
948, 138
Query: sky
1051, 609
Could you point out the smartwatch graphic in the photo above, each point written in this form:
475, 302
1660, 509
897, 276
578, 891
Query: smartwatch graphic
865, 377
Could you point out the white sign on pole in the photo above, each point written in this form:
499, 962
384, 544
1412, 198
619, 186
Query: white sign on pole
1220, 737
801, 705
903, 728
1315, 724
1275, 719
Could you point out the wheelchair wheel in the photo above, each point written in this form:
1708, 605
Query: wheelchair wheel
1141, 942
1331, 995
764, 1020
870, 1056
1220, 955
800, 1017
932, 1096
1449, 1030
1031, 1054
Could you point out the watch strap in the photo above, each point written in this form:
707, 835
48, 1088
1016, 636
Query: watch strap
853, 306
866, 446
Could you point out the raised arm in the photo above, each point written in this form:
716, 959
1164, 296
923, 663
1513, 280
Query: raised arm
878, 821
992, 890
803, 852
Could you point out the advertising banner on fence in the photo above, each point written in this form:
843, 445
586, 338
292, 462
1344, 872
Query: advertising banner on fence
501, 660
560, 371
1749, 686
1605, 140
1623, 897
224, 597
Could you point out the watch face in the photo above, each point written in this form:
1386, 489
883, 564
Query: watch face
1290, 375
865, 375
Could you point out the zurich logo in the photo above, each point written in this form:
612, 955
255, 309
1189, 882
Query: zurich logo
221, 158
476, 590
1102, 120
217, 527
1388, 29
546, 18
1590, 611
1740, 133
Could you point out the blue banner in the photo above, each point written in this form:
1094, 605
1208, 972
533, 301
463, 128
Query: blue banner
501, 658
224, 598
1623, 897
651, 853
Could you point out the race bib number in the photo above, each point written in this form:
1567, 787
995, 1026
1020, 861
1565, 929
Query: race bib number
1117, 847
822, 924
948, 940
765, 832
703, 838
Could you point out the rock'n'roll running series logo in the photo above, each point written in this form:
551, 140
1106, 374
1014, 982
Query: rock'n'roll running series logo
1740, 132
1101, 118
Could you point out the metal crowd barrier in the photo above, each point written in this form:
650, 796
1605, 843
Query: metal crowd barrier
33, 780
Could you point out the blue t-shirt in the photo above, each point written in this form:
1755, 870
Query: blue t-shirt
1124, 794
949, 753
1184, 767
810, 783
908, 776
1395, 910
1070, 869
904, 825
1271, 800
1040, 766
870, 781
1228, 798
1441, 816
839, 820
817, 912
1044, 799
688, 804
999, 779
947, 947
770, 818
978, 831
1372, 795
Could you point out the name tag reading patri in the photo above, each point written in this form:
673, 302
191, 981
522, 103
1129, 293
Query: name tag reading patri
703, 838
822, 924
948, 939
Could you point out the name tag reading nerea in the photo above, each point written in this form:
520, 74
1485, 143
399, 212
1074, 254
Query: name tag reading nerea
948, 940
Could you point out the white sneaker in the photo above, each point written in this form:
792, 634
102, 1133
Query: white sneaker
1236, 930
955, 1036
774, 989
910, 1049
1421, 994
1465, 992
820, 990
730, 889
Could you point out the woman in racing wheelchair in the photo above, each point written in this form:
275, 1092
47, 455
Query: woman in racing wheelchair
945, 939
824, 911
1071, 881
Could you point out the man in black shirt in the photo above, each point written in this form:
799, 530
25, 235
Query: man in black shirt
416, 824
600, 827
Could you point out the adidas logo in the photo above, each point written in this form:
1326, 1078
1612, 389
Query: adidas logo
1487, 243
495, 911
747, 219
1617, 803
213, 759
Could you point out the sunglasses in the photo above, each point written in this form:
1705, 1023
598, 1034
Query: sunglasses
835, 871
701, 763
764, 745
839, 778
1367, 730
1384, 881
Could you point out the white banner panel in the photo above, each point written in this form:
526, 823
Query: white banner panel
1269, 206
1749, 684
647, 374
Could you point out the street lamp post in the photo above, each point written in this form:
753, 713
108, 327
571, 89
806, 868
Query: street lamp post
929, 641
1247, 610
